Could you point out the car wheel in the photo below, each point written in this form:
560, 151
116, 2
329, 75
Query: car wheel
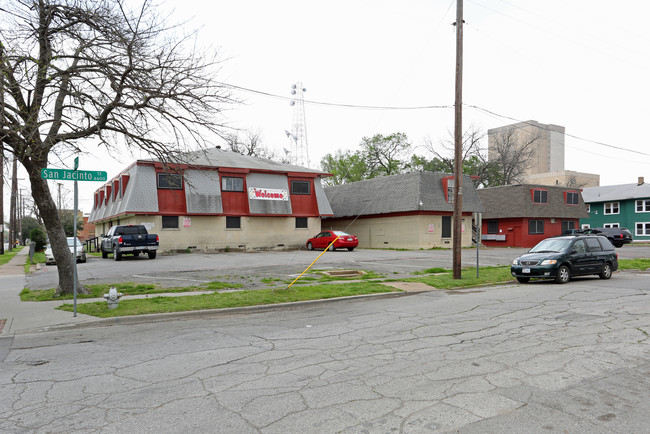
331, 248
563, 274
104, 254
136, 254
523, 279
618, 245
310, 246
117, 255
607, 271
152, 255
350, 249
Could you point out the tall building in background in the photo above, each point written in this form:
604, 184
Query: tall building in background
546, 143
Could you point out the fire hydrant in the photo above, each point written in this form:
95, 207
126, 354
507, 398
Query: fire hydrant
113, 298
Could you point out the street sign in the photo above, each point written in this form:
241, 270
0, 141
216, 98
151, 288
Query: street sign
73, 175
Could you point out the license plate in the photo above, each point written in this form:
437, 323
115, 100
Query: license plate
526, 270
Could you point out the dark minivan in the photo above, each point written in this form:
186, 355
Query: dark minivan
561, 258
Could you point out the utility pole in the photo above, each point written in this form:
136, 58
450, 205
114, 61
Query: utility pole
2, 200
458, 145
12, 205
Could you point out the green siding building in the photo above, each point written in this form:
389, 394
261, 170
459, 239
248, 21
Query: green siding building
624, 206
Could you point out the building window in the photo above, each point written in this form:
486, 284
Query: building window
540, 196
450, 190
300, 187
301, 223
572, 198
170, 181
611, 225
493, 226
535, 227
170, 222
643, 229
643, 205
611, 208
588, 208
233, 222
230, 183
567, 225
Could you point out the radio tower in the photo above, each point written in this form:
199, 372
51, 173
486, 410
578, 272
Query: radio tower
298, 135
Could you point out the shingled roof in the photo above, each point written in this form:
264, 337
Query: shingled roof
616, 192
217, 157
511, 201
420, 191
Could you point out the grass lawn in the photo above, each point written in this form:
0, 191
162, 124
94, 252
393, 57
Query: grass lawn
6, 257
443, 279
633, 264
126, 288
228, 299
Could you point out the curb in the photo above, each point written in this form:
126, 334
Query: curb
203, 314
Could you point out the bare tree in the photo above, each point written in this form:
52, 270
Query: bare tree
573, 182
250, 143
110, 72
444, 151
511, 153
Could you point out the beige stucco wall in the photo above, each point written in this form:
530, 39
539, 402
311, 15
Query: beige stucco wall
402, 232
567, 178
210, 233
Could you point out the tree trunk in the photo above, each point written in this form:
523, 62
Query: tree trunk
49, 212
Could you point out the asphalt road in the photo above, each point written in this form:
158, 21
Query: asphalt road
250, 268
535, 358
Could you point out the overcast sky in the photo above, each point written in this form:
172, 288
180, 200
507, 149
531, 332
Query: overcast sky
581, 64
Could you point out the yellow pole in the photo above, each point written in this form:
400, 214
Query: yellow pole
312, 264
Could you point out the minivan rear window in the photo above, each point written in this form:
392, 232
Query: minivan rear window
593, 245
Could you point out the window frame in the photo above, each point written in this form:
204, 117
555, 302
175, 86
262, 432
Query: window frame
166, 175
543, 196
295, 191
572, 194
536, 231
225, 180
167, 217
645, 205
608, 210
306, 223
492, 222
231, 220
645, 229
611, 225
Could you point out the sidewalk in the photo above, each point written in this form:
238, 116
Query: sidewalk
18, 316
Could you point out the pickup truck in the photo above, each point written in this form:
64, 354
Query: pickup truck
129, 239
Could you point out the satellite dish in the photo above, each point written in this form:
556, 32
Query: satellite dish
293, 86
304, 89
293, 92
292, 103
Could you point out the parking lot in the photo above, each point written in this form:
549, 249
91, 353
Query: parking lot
249, 268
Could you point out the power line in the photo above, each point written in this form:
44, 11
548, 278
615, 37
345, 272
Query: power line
620, 148
341, 105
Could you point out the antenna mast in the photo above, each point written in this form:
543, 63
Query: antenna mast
298, 135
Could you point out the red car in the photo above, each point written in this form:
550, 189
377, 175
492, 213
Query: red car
322, 240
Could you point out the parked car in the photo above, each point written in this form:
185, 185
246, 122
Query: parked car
561, 258
129, 239
322, 240
81, 251
617, 236
573, 232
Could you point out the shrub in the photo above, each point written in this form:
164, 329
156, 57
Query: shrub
37, 235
